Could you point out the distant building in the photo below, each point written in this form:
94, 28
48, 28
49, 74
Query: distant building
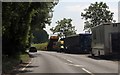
119, 11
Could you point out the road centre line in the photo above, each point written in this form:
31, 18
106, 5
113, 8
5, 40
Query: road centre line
69, 60
78, 66
81, 66
74, 65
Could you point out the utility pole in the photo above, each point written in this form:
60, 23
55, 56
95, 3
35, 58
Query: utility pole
119, 11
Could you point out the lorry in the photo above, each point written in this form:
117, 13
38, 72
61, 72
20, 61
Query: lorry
79, 43
60, 45
53, 43
105, 39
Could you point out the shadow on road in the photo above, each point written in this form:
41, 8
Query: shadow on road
24, 65
75, 53
106, 57
31, 66
21, 66
26, 71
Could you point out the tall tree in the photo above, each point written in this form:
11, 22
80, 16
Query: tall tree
17, 19
40, 36
96, 14
64, 28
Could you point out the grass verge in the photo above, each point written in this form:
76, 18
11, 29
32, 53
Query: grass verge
41, 46
9, 64
24, 57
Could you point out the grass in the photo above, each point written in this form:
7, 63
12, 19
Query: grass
24, 57
41, 46
10, 63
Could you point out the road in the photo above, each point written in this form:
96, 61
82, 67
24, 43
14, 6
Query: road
53, 62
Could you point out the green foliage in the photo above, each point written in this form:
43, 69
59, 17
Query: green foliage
41, 46
24, 57
19, 19
40, 36
42, 16
64, 28
11, 63
96, 14
8, 64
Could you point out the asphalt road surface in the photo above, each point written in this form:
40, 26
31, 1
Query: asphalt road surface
53, 62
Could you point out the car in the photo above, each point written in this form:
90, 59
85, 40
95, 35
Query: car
33, 49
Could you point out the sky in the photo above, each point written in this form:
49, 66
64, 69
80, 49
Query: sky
73, 8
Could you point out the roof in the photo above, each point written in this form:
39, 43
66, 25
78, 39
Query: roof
79, 34
104, 24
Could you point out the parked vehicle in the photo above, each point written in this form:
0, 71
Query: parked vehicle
80, 43
106, 39
33, 49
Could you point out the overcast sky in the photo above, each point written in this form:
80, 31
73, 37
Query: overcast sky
73, 8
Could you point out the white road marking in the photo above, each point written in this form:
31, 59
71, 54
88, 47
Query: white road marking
78, 65
69, 60
81, 67
74, 65
87, 71
26, 65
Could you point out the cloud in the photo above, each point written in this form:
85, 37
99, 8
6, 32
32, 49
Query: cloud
114, 9
80, 8
75, 8
89, 0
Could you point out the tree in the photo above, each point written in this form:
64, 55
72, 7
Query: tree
40, 36
96, 14
18, 23
41, 17
64, 28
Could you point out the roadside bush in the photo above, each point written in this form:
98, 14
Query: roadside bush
41, 46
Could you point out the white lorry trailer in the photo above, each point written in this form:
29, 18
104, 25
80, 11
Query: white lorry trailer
106, 39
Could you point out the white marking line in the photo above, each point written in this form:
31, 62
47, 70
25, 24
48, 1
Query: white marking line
82, 68
26, 65
75, 65
78, 65
69, 60
87, 71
